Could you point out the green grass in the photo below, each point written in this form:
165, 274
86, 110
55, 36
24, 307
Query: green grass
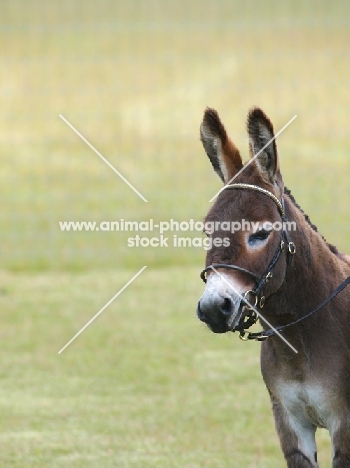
145, 385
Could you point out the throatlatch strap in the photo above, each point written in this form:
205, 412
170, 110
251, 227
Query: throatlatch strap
272, 331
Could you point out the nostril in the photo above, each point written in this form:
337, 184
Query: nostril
226, 306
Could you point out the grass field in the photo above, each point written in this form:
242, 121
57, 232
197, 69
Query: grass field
144, 386
147, 385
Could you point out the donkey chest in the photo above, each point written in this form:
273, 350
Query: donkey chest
306, 402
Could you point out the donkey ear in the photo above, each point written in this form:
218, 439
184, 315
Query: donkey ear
260, 131
223, 154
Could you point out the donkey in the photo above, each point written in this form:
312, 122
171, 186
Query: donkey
293, 280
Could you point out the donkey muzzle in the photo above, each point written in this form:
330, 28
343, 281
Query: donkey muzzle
219, 312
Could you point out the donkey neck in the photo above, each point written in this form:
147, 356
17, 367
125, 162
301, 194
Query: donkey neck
316, 271
316, 261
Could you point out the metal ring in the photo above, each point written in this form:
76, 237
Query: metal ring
242, 337
249, 306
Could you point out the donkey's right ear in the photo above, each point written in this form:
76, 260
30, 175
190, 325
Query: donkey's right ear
223, 154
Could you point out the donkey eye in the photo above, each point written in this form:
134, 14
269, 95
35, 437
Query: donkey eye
259, 236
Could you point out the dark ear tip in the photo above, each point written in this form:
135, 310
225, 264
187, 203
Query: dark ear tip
257, 116
210, 110
210, 115
256, 112
212, 123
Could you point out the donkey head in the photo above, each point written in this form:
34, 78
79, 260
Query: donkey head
241, 221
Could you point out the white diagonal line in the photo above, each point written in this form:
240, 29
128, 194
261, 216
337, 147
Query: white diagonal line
255, 310
254, 157
103, 308
103, 158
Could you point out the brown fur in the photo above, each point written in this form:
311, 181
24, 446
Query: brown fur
323, 340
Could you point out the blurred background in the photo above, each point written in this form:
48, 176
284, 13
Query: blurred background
134, 77
147, 385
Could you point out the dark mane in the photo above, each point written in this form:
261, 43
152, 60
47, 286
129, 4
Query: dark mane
331, 247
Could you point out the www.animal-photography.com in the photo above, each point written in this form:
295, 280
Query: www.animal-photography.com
174, 282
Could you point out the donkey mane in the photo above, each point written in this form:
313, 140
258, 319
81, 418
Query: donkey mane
331, 247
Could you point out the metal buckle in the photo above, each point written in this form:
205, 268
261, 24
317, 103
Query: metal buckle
268, 276
262, 338
291, 248
262, 302
282, 245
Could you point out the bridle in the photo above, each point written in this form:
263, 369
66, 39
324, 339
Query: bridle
248, 315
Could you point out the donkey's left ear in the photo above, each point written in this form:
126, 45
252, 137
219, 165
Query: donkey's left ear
260, 131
